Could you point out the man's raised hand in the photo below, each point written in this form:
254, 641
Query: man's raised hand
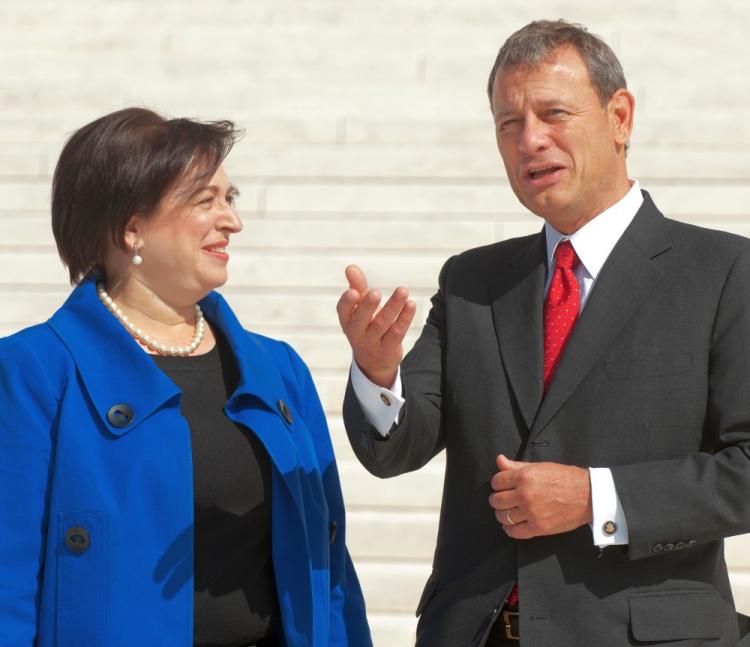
375, 334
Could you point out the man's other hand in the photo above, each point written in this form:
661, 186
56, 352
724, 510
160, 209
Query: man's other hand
532, 499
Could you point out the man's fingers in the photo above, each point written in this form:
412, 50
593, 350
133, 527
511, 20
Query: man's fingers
520, 531
503, 481
394, 336
361, 318
357, 279
346, 305
392, 308
504, 500
375, 335
387, 314
504, 463
352, 297
516, 516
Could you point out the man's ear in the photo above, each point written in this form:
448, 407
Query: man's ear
620, 110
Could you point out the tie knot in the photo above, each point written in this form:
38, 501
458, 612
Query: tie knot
565, 256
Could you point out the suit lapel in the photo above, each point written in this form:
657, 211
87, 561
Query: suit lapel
627, 278
517, 297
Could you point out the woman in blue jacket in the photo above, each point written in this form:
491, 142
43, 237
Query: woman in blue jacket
167, 476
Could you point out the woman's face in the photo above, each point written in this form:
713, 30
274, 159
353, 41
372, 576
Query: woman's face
184, 244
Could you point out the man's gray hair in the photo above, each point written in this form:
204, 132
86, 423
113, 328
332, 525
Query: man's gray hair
534, 43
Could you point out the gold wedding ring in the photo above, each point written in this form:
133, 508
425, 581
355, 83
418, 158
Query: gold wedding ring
508, 519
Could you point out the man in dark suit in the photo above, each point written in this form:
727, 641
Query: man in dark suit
590, 385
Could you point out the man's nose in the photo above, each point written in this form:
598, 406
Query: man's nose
535, 136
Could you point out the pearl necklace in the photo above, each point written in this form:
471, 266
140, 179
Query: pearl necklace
147, 340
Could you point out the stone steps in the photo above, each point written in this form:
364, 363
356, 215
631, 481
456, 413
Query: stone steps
368, 139
695, 128
267, 163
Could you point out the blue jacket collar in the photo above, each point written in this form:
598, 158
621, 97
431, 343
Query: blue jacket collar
115, 370
259, 374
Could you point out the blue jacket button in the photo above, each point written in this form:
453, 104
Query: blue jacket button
120, 415
284, 411
77, 540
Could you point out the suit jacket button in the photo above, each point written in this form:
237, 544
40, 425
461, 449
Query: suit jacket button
680, 545
120, 415
284, 411
657, 548
77, 540
691, 543
668, 546
332, 531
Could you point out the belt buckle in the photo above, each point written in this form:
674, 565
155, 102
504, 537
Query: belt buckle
507, 614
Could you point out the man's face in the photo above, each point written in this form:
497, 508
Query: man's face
563, 152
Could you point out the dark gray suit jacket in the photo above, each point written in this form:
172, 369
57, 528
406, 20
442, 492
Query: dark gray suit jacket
654, 383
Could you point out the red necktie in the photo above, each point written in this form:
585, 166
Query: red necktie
560, 314
560, 308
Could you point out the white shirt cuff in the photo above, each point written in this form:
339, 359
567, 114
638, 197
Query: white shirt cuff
381, 406
609, 526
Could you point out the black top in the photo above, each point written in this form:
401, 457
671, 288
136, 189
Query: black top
235, 591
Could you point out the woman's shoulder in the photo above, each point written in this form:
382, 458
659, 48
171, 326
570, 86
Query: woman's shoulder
277, 350
39, 340
35, 353
37, 343
268, 353
282, 352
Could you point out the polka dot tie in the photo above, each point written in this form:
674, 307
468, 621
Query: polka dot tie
560, 308
560, 315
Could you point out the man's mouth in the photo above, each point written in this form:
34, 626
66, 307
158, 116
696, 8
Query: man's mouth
535, 175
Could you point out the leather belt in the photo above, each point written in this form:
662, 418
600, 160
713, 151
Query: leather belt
505, 631
511, 622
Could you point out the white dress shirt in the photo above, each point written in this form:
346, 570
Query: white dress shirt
592, 243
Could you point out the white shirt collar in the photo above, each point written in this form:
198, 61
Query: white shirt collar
596, 239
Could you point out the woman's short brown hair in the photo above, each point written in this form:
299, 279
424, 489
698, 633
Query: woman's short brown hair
122, 165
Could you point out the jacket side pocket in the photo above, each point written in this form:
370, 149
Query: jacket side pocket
675, 615
81, 550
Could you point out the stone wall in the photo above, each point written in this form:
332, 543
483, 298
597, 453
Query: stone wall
368, 140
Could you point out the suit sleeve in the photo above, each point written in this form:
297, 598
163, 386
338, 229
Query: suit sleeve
348, 619
419, 435
702, 497
27, 412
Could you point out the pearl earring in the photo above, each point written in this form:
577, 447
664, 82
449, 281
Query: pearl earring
137, 258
